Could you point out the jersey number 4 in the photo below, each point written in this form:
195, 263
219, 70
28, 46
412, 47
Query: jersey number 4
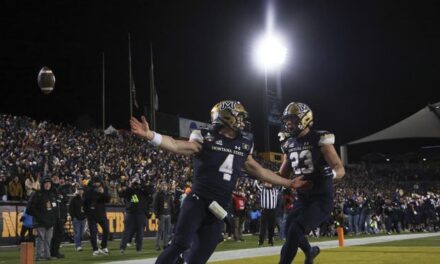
306, 157
227, 167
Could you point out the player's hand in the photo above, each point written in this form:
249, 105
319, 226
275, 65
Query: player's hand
300, 183
141, 128
327, 171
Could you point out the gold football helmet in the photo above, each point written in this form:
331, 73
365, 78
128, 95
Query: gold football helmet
229, 113
301, 117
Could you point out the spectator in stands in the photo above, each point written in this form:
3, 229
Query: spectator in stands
41, 206
361, 218
15, 190
78, 216
113, 192
163, 209
26, 227
391, 216
32, 184
28, 146
255, 216
3, 187
177, 194
65, 188
239, 203
367, 209
61, 194
95, 199
138, 197
353, 211
428, 212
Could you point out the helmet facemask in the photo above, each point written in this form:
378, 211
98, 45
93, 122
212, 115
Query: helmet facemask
290, 126
230, 114
233, 119
296, 118
240, 120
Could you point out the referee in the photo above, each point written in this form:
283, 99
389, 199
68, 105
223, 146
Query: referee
268, 203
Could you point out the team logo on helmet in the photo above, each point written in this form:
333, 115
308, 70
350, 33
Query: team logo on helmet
228, 105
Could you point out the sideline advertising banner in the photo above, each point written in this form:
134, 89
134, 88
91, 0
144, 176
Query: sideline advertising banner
186, 126
10, 225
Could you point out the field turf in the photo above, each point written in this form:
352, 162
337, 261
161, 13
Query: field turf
412, 251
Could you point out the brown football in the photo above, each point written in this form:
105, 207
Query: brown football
46, 80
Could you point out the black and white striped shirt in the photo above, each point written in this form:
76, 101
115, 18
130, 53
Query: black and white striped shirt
268, 196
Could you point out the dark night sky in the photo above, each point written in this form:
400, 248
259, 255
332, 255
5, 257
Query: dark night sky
360, 65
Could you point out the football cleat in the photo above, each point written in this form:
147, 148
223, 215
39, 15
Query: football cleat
314, 252
103, 251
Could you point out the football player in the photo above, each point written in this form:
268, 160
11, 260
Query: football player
220, 152
309, 154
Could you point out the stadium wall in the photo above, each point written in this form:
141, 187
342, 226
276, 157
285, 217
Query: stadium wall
10, 225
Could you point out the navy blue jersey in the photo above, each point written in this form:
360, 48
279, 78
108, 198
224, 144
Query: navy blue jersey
218, 165
305, 157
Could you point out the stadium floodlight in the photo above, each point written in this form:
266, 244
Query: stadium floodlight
270, 52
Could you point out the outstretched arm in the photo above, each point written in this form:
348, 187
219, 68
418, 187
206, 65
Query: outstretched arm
168, 143
262, 174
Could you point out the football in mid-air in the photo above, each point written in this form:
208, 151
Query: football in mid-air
46, 80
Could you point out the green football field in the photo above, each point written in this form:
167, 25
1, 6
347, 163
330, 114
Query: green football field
11, 254
414, 251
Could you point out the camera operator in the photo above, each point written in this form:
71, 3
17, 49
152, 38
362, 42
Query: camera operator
96, 197
137, 197
61, 213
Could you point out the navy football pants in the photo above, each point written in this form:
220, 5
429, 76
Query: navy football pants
195, 227
305, 216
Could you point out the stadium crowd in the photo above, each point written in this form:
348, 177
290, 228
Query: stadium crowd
370, 199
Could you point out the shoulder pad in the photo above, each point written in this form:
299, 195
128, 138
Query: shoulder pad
325, 138
285, 146
248, 136
283, 136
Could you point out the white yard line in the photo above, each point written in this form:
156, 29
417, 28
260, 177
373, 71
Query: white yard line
270, 251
